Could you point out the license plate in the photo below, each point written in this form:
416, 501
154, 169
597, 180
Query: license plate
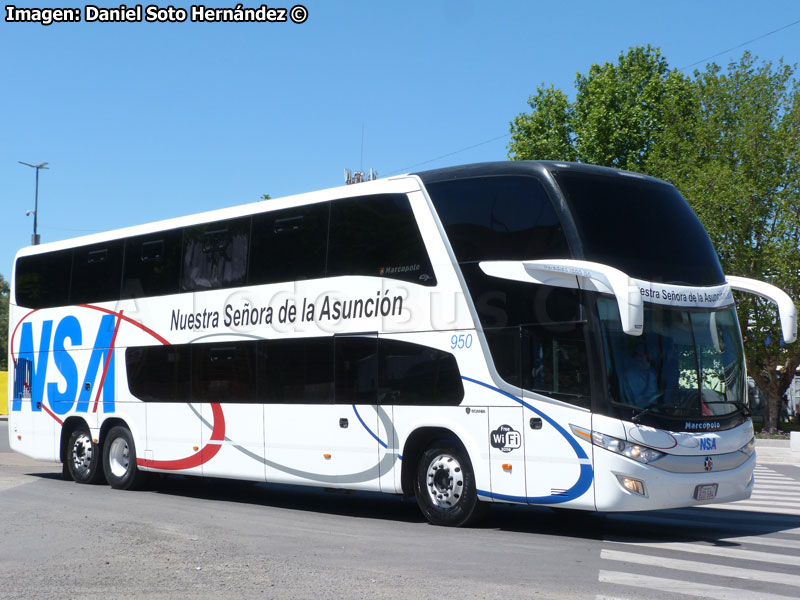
705, 492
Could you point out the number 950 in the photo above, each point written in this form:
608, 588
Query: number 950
461, 341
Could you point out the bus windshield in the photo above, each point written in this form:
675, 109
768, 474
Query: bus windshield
686, 365
643, 227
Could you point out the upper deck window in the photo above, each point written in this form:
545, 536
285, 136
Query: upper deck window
373, 236
289, 244
96, 272
506, 217
499, 218
152, 264
42, 280
640, 226
377, 236
215, 255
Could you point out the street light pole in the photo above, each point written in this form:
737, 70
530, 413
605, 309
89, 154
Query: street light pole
35, 237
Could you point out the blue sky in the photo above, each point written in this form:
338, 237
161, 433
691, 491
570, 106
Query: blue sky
146, 121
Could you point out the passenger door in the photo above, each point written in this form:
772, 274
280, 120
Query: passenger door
507, 453
357, 444
296, 383
558, 465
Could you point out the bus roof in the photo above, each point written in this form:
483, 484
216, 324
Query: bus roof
522, 167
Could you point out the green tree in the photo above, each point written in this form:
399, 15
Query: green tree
729, 140
736, 158
4, 306
620, 112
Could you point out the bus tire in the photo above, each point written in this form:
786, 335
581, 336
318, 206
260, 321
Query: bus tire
445, 487
84, 458
119, 460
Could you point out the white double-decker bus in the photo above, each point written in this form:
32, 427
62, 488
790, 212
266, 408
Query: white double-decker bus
533, 332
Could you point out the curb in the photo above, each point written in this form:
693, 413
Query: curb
779, 451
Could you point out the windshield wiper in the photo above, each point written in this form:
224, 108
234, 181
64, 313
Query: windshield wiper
637, 418
739, 405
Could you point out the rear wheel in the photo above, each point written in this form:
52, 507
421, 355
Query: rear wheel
84, 458
445, 487
119, 460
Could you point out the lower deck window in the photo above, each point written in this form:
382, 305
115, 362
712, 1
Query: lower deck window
341, 369
548, 359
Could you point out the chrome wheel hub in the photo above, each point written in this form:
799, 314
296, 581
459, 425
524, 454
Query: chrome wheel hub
445, 481
119, 457
82, 453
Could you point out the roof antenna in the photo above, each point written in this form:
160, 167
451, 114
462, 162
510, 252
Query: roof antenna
359, 176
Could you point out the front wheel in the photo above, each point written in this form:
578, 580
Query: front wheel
119, 460
83, 461
445, 487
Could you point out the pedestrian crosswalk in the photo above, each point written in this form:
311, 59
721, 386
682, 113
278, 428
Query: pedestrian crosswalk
772, 492
746, 549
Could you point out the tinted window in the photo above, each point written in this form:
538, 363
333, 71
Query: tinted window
152, 264
346, 369
549, 359
416, 374
534, 332
296, 371
42, 280
289, 245
556, 362
160, 373
215, 255
498, 218
96, 273
504, 346
357, 370
644, 228
377, 236
502, 302
224, 372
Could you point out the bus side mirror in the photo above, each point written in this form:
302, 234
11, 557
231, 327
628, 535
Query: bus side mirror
786, 308
578, 274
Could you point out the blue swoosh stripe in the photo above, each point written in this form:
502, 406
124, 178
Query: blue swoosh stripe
585, 478
369, 431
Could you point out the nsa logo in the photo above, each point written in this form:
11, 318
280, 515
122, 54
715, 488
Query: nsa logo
505, 439
708, 444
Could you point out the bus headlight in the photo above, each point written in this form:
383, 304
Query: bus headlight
637, 452
749, 447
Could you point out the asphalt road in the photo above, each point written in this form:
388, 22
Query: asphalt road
192, 538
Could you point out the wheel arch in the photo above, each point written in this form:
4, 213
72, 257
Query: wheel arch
113, 422
70, 424
417, 442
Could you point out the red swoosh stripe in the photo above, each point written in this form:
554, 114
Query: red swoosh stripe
205, 454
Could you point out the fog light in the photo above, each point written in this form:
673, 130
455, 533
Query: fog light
635, 486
